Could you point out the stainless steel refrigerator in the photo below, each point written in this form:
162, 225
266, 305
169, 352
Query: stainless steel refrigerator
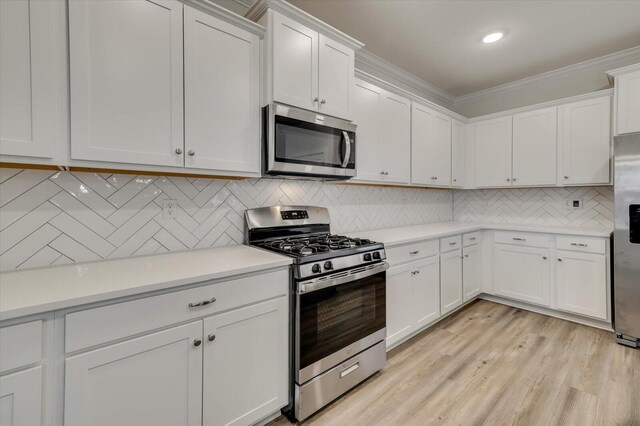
626, 252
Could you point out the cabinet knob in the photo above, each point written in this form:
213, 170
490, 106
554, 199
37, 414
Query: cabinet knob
559, 260
197, 342
508, 180
192, 152
178, 151
544, 257
514, 179
315, 99
324, 101
455, 180
566, 177
211, 337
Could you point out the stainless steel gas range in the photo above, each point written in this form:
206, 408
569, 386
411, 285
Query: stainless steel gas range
338, 289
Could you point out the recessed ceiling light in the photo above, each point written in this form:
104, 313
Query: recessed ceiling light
493, 37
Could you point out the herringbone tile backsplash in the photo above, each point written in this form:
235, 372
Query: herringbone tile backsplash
49, 217
545, 206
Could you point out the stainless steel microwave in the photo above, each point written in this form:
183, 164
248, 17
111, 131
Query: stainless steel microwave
307, 144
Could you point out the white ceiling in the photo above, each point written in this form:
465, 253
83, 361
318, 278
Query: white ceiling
441, 41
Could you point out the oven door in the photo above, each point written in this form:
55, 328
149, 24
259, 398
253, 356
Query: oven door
303, 143
338, 318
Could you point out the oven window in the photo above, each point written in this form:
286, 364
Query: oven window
308, 143
335, 317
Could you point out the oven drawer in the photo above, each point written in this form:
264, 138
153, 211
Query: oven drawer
528, 239
450, 243
584, 244
408, 252
315, 394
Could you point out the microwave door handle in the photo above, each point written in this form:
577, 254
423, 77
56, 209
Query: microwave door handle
347, 154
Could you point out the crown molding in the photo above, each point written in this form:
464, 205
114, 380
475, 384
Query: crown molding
422, 87
624, 70
225, 14
568, 71
245, 3
261, 6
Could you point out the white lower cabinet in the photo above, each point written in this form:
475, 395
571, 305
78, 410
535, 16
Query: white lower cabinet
21, 398
245, 364
151, 380
581, 283
471, 272
413, 298
450, 281
522, 273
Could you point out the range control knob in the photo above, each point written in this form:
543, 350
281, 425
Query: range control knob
367, 257
328, 265
315, 268
376, 255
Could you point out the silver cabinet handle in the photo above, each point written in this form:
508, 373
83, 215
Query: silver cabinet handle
514, 179
466, 255
192, 152
349, 370
453, 243
472, 239
386, 173
579, 244
508, 180
414, 252
315, 99
324, 101
544, 257
566, 177
415, 272
347, 153
559, 260
197, 342
178, 151
211, 337
203, 303
519, 239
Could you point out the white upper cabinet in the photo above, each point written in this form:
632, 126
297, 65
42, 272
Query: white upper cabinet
585, 142
395, 138
26, 78
295, 63
221, 98
493, 152
126, 81
430, 147
627, 99
535, 147
310, 70
335, 78
457, 154
383, 138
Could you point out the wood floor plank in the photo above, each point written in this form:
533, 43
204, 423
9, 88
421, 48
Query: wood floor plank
492, 364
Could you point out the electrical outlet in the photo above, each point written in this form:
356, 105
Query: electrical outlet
573, 204
169, 209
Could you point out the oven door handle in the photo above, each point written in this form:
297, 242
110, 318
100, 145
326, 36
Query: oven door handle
347, 153
325, 282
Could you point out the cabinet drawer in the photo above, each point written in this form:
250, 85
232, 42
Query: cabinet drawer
92, 327
470, 239
20, 345
450, 243
584, 244
405, 253
522, 239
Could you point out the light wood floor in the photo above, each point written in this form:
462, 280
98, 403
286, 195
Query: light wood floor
491, 364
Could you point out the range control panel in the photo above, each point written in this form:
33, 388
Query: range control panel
634, 223
294, 214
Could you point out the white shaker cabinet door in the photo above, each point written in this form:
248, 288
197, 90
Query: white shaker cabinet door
395, 138
246, 364
295, 63
366, 114
26, 78
493, 152
457, 154
471, 271
426, 291
628, 103
21, 398
450, 281
335, 78
126, 81
431, 147
585, 144
400, 302
582, 283
522, 273
222, 107
535, 145
151, 380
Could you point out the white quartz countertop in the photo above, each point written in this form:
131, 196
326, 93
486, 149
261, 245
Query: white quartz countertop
46, 289
408, 234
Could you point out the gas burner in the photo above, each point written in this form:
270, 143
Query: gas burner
314, 244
